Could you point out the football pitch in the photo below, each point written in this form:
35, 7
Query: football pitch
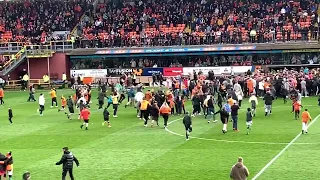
273, 150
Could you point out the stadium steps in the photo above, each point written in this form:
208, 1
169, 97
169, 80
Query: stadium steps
14, 62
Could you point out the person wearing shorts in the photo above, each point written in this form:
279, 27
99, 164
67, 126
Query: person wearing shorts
85, 114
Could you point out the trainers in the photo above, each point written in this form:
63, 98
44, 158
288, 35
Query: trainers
115, 116
109, 126
187, 139
81, 126
145, 125
215, 121
103, 124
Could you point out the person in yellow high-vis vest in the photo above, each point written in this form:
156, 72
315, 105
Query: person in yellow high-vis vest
25, 80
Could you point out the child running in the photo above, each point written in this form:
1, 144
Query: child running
305, 117
296, 107
63, 103
249, 120
254, 102
85, 115
106, 116
10, 114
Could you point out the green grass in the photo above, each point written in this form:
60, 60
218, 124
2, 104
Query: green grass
128, 150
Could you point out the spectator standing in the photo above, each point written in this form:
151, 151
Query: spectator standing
239, 171
67, 161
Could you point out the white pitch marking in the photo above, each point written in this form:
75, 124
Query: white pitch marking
281, 152
228, 141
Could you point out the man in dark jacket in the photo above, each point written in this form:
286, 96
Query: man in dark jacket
100, 98
268, 98
70, 107
188, 125
67, 161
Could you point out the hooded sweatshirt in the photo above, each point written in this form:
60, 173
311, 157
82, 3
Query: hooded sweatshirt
239, 172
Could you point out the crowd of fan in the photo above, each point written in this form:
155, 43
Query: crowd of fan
162, 22
33, 21
188, 22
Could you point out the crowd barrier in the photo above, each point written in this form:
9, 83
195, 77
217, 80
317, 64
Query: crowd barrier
166, 71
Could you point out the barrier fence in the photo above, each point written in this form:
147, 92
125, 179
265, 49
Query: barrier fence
166, 71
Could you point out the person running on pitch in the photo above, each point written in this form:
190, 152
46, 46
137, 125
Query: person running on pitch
106, 116
297, 107
1, 96
63, 103
249, 117
82, 102
10, 114
165, 110
224, 115
209, 103
187, 121
41, 104
234, 115
305, 117
53, 94
268, 98
131, 94
254, 102
154, 113
31, 94
85, 114
70, 107
9, 166
144, 108
100, 98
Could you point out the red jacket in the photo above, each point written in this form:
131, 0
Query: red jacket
85, 114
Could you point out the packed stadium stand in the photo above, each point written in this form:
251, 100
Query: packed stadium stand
188, 22
162, 22
32, 21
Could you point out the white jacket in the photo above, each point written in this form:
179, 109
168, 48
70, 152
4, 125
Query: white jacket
41, 100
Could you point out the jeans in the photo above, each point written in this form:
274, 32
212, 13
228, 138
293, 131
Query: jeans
235, 122
211, 112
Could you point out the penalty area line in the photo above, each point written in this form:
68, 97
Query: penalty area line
281, 152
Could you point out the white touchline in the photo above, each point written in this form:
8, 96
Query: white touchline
281, 152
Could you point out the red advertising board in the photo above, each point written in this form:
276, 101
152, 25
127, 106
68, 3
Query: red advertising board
172, 71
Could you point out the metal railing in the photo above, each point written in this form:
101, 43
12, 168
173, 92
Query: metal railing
10, 47
56, 46
14, 61
38, 51
62, 46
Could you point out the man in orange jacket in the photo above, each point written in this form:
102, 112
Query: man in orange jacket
305, 117
165, 110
